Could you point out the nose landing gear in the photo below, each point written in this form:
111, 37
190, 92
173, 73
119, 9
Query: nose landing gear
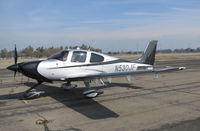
33, 94
28, 94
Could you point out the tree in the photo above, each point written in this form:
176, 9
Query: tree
198, 49
75, 47
84, 47
61, 48
4, 53
66, 47
39, 52
28, 51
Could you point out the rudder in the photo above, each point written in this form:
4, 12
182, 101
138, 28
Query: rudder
148, 57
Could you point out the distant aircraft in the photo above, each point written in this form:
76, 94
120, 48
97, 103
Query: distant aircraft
86, 65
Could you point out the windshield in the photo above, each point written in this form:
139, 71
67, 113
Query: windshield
62, 55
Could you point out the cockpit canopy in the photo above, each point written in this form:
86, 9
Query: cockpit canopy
77, 56
61, 55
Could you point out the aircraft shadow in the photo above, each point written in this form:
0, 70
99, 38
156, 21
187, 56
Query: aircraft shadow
75, 100
11, 96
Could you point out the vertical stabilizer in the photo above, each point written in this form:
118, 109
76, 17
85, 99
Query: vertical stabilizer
148, 57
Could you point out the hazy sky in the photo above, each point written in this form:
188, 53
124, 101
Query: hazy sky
107, 24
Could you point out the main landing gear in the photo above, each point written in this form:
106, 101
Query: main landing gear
91, 93
68, 86
28, 94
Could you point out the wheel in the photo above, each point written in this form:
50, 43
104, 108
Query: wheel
67, 87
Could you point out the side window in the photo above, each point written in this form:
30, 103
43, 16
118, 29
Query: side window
79, 56
96, 58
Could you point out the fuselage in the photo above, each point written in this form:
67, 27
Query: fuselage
71, 65
82, 63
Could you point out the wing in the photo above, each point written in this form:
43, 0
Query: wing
135, 72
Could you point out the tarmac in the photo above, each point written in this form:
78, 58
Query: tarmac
169, 103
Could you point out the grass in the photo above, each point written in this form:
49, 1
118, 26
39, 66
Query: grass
159, 57
7, 62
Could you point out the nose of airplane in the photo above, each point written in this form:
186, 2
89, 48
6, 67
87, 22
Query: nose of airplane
30, 69
14, 67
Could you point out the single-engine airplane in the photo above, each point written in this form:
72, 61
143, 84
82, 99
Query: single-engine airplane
85, 65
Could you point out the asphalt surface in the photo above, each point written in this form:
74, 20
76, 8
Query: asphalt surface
169, 103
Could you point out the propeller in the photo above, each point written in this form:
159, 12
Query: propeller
15, 55
14, 67
15, 59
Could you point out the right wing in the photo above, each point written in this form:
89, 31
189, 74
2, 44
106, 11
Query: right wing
125, 73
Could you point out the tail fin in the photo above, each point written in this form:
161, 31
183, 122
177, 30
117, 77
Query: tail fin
148, 57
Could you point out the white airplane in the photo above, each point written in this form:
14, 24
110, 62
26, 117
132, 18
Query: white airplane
86, 65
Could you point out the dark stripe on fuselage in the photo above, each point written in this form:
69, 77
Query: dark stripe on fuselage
29, 69
101, 63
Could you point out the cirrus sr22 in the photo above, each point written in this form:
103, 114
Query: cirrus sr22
85, 65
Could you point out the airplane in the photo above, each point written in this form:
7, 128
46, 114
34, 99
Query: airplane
87, 66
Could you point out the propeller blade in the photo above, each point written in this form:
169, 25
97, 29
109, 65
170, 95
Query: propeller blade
15, 74
15, 57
